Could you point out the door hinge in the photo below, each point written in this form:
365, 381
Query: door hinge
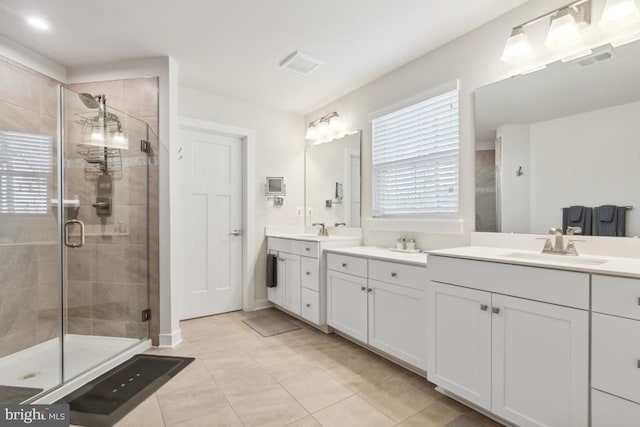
144, 146
146, 314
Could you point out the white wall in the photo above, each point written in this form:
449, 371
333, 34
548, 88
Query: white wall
474, 59
588, 159
515, 189
279, 151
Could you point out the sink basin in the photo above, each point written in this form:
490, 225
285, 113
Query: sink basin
565, 259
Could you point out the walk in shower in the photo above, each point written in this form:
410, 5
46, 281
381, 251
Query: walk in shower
74, 232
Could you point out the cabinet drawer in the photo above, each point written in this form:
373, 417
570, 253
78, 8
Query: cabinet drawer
310, 305
615, 356
398, 274
310, 249
608, 410
616, 295
310, 273
347, 264
541, 284
284, 245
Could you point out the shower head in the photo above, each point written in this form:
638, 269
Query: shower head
88, 100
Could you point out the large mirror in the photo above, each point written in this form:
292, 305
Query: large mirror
332, 181
553, 141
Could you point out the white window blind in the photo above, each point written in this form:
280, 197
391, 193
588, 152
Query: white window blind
25, 171
415, 159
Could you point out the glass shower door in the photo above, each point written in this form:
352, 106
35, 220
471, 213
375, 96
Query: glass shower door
105, 231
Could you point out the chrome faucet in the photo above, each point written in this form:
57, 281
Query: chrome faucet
558, 248
338, 224
323, 230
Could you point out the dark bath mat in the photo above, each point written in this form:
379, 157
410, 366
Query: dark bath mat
11, 394
271, 324
111, 396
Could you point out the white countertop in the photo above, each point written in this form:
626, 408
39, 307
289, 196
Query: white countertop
384, 254
614, 266
312, 237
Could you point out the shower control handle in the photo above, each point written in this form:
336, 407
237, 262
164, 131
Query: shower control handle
68, 242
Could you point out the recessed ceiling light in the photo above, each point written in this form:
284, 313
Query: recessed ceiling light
38, 23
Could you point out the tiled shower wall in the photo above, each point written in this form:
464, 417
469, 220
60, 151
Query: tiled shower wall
29, 267
107, 287
486, 190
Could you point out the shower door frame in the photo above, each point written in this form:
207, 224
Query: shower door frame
65, 387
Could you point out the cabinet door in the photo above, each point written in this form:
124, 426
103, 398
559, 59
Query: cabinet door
398, 322
291, 297
540, 363
275, 295
459, 341
347, 304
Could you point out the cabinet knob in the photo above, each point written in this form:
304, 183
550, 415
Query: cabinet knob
308, 273
495, 310
362, 288
308, 305
344, 264
484, 307
638, 300
370, 289
394, 274
307, 249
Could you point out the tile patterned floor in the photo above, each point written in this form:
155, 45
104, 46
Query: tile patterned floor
301, 378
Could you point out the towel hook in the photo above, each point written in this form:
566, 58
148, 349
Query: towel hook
519, 171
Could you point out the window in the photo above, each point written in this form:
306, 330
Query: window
25, 170
415, 160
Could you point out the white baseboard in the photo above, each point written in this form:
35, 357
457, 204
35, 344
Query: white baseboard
261, 304
83, 379
170, 340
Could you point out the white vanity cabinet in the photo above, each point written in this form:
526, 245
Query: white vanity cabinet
498, 340
382, 304
300, 286
287, 292
615, 351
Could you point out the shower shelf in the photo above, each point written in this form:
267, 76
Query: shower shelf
95, 158
100, 231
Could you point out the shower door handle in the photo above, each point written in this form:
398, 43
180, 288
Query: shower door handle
69, 243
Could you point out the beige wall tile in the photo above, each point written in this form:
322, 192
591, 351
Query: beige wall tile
141, 97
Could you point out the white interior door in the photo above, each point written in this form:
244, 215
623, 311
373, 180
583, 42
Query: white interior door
212, 183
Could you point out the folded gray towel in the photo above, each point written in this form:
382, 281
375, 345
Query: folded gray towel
610, 220
606, 213
577, 216
575, 213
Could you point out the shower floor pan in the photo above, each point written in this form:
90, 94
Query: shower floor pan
39, 366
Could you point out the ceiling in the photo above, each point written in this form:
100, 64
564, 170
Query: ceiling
234, 47
560, 90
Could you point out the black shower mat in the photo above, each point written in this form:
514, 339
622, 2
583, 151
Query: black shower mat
111, 396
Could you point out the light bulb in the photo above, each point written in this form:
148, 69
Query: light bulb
518, 48
323, 128
563, 31
97, 137
312, 133
619, 14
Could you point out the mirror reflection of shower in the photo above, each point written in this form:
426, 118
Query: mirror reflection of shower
103, 138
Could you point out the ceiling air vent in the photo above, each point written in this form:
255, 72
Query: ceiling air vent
595, 58
301, 62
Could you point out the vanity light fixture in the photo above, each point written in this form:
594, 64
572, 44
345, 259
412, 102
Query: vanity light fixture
325, 128
619, 14
518, 48
564, 31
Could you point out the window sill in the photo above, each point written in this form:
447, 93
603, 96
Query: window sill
422, 225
